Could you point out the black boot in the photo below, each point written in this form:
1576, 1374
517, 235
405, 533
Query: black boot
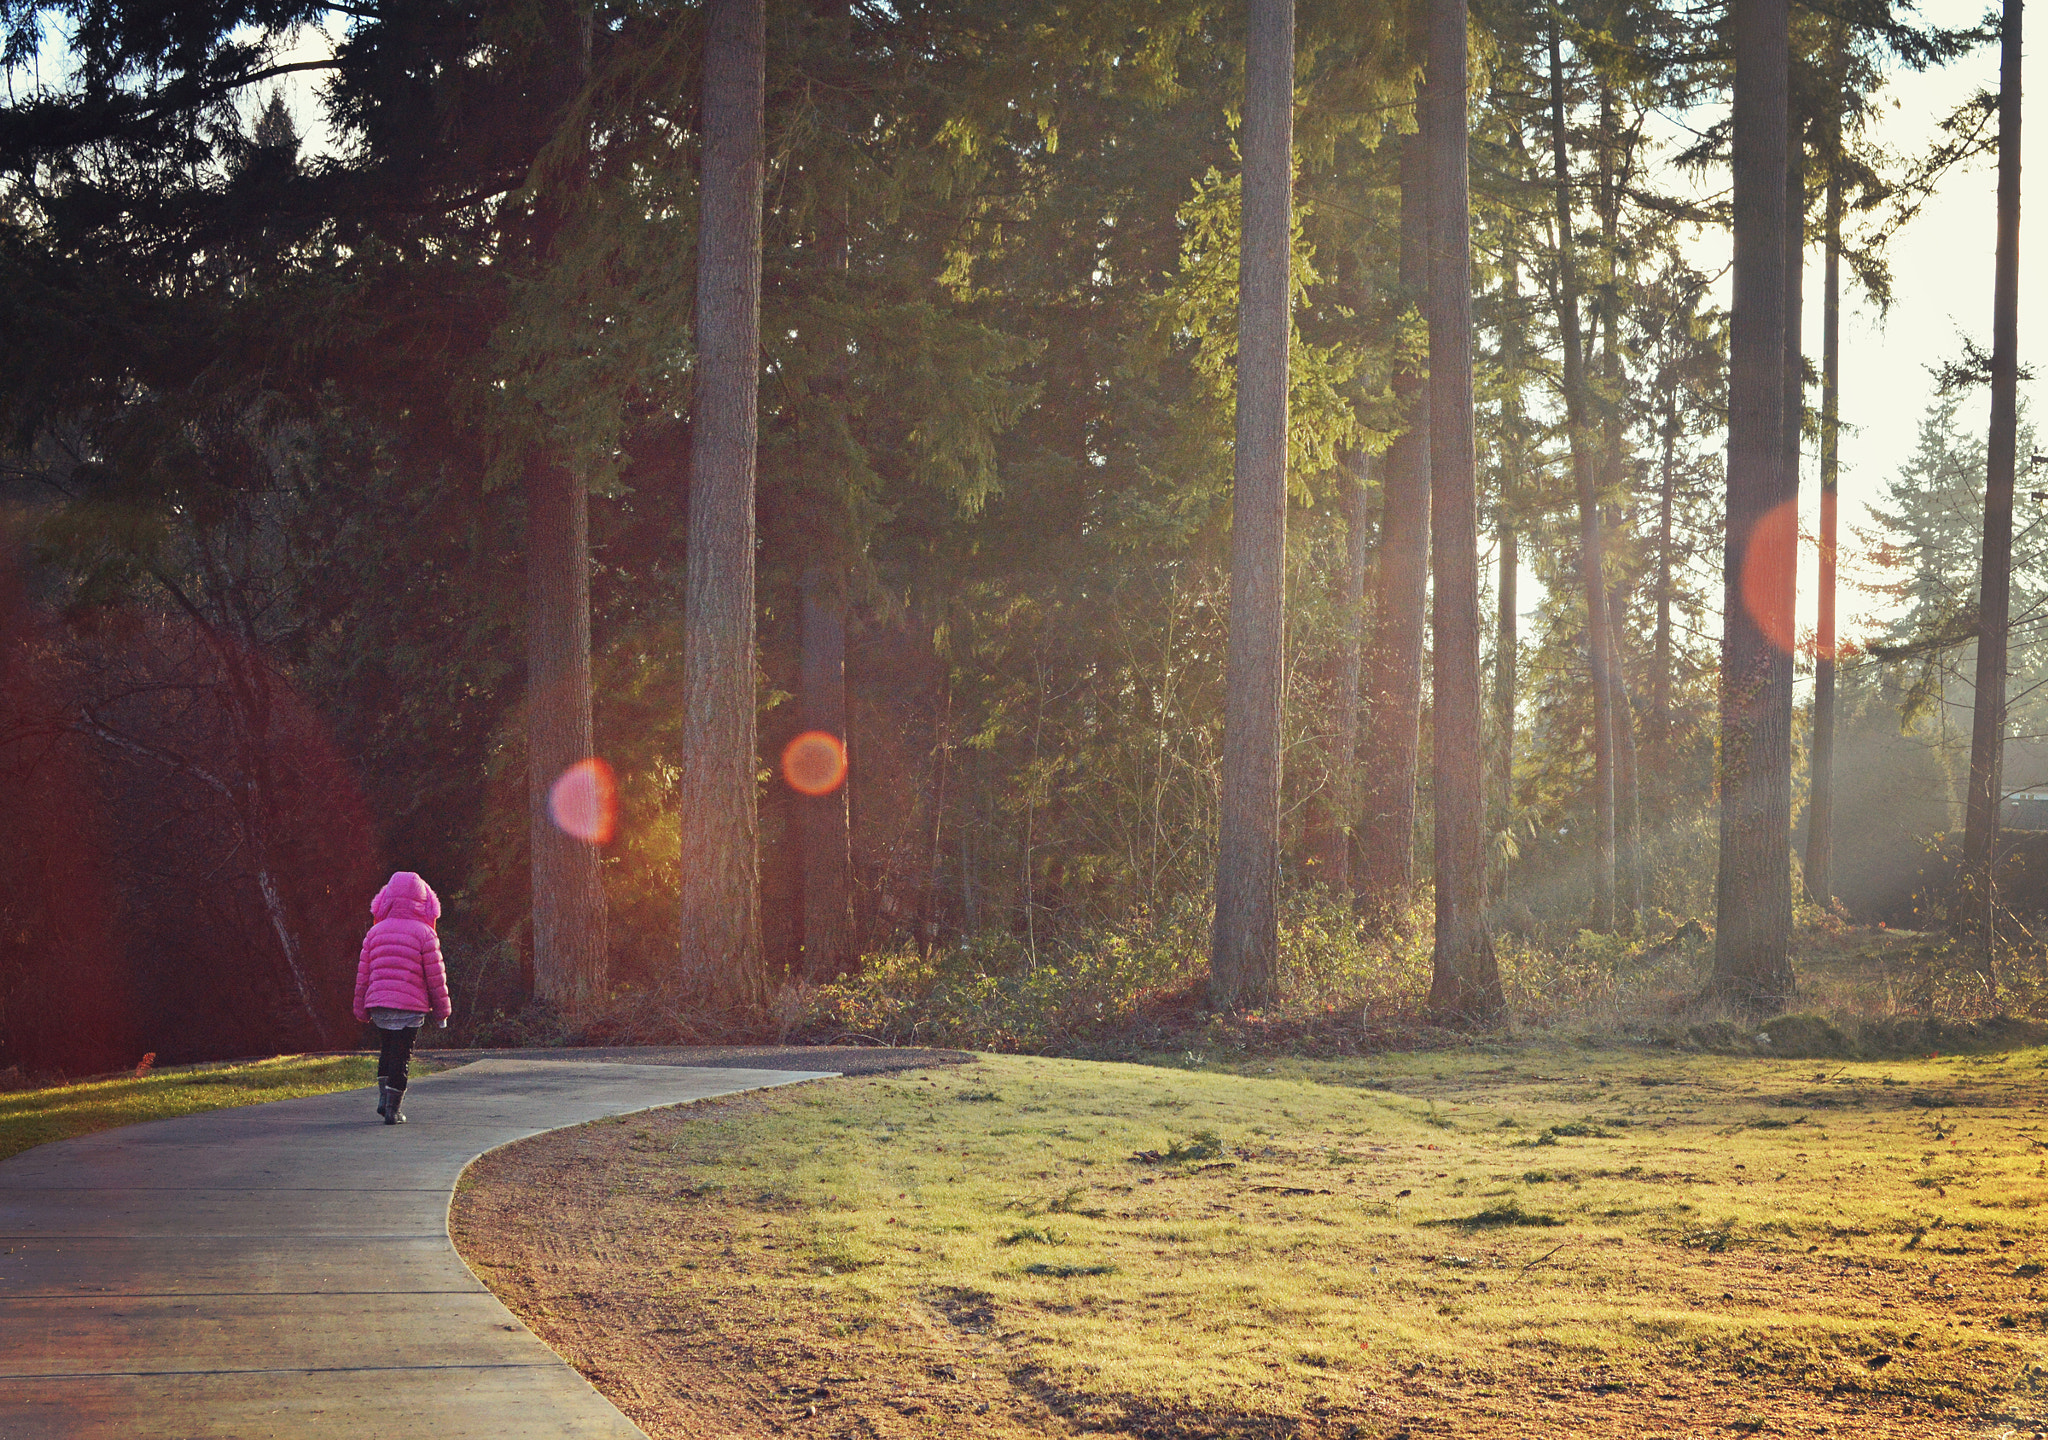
383, 1096
394, 1097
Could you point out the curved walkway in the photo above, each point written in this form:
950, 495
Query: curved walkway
284, 1270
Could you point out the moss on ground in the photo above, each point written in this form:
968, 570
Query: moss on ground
1588, 1241
59, 1112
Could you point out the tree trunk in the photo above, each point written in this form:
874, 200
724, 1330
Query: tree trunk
824, 828
1795, 301
1244, 958
1753, 886
570, 922
1987, 721
569, 918
1660, 643
1795, 314
1628, 800
1506, 645
1328, 843
721, 898
1820, 811
1578, 424
970, 911
1628, 880
1465, 984
1507, 620
822, 819
1383, 872
942, 755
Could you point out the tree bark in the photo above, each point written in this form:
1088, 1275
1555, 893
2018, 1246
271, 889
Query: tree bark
570, 921
1507, 619
1820, 813
1465, 984
1328, 844
1628, 802
941, 766
1578, 425
1795, 314
721, 899
1795, 300
1244, 956
1628, 879
1506, 658
1384, 864
569, 916
1660, 643
1753, 885
822, 819
1987, 721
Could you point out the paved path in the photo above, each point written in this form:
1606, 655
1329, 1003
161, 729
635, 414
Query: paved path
284, 1270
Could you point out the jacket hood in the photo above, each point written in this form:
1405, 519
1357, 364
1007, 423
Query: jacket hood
408, 897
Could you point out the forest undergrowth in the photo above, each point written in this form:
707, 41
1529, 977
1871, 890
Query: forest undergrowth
1138, 990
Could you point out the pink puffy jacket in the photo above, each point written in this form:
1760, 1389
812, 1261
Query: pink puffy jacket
401, 968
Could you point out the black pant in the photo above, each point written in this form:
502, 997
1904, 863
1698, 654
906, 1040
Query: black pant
396, 1055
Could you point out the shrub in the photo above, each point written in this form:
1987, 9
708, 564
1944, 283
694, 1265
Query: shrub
1135, 986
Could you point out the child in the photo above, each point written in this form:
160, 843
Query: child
399, 979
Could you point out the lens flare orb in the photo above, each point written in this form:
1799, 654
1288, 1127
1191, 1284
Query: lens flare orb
814, 763
1770, 561
584, 801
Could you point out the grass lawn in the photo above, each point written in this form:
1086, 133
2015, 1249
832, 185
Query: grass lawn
33, 1117
1492, 1242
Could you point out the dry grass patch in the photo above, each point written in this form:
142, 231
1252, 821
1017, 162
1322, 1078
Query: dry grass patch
59, 1112
1482, 1243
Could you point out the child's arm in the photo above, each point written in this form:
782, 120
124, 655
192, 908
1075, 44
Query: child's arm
436, 974
363, 980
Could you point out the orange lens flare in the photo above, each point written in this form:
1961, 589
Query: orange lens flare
584, 802
1770, 561
814, 763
